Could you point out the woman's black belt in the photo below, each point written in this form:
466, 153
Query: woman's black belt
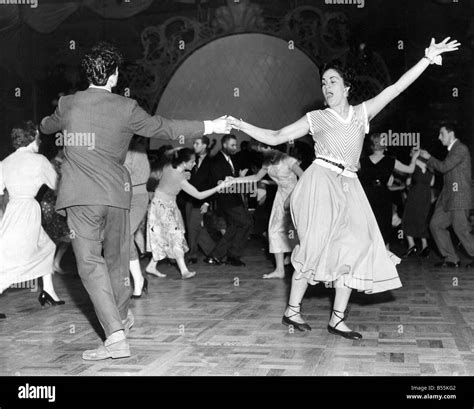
338, 165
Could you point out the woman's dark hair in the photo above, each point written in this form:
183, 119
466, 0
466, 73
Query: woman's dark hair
178, 156
101, 62
373, 141
273, 156
23, 134
347, 74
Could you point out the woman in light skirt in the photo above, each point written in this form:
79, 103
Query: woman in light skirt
284, 171
165, 226
340, 242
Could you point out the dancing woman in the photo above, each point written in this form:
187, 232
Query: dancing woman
375, 174
284, 170
340, 242
165, 229
26, 251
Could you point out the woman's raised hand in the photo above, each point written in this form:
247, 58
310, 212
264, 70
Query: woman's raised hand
444, 46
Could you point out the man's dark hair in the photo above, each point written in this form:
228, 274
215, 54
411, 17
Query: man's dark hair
101, 62
228, 137
205, 140
450, 126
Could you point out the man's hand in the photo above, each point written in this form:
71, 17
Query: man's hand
221, 125
424, 154
243, 172
234, 122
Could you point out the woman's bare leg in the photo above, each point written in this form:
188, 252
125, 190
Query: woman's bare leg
60, 250
424, 243
280, 267
340, 304
298, 289
185, 273
151, 269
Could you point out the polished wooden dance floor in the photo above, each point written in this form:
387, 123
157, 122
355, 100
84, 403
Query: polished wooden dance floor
226, 321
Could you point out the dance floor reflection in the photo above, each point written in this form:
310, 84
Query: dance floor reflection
227, 321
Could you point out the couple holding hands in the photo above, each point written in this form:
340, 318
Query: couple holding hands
339, 240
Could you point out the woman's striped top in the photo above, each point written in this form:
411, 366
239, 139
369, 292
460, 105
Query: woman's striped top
339, 139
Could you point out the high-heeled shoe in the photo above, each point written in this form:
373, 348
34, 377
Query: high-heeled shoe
144, 290
425, 252
345, 334
303, 327
45, 298
410, 251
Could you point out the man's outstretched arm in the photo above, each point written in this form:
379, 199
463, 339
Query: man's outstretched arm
156, 126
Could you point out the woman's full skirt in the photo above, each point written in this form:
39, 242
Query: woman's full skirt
26, 251
339, 240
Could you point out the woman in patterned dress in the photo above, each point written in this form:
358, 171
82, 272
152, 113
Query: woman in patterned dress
284, 170
340, 242
165, 227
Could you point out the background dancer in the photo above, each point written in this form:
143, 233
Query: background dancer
165, 229
26, 251
284, 170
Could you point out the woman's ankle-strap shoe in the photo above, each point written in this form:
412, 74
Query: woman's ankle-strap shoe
303, 327
346, 334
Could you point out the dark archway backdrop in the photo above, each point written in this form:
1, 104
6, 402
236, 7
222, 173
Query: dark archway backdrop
40, 50
254, 76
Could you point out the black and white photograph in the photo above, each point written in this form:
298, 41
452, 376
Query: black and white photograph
202, 201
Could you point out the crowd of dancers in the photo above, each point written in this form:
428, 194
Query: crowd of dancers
99, 198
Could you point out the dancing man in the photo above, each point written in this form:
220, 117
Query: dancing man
95, 189
454, 202
340, 242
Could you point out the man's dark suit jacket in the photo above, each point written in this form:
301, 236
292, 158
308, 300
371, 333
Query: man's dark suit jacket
220, 170
201, 179
456, 170
95, 175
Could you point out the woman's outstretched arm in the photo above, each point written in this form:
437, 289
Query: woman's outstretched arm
251, 178
192, 191
379, 102
289, 133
